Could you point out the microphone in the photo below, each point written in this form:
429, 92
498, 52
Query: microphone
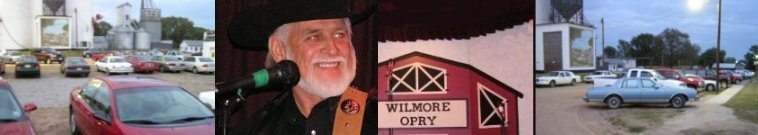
283, 74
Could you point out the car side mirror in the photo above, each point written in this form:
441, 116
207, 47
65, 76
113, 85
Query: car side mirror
102, 116
30, 107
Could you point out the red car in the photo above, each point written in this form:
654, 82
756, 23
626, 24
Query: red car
142, 63
13, 120
675, 74
137, 105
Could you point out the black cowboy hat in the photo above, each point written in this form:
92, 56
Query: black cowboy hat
251, 28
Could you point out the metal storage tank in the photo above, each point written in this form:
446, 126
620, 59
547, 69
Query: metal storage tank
141, 39
123, 37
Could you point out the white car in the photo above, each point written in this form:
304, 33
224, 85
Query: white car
558, 77
638, 72
198, 64
208, 98
11, 57
709, 84
599, 74
114, 64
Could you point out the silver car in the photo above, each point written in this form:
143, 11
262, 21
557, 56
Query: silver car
640, 90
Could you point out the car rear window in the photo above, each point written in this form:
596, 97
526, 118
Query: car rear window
27, 59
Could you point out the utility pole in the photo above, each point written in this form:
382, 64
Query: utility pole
718, 49
602, 50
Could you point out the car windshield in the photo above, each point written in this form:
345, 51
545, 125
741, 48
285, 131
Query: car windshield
159, 105
76, 61
14, 53
144, 58
552, 74
117, 60
205, 59
172, 58
9, 109
27, 59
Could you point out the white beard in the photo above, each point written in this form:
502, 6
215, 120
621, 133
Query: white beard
325, 88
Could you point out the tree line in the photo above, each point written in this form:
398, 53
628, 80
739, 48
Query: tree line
669, 48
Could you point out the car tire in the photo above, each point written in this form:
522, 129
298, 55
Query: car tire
573, 82
163, 69
107, 72
723, 84
614, 102
72, 122
48, 61
710, 87
194, 70
677, 101
552, 83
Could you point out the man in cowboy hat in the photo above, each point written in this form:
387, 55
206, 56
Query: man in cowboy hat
316, 35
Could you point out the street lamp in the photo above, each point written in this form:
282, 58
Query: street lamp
697, 5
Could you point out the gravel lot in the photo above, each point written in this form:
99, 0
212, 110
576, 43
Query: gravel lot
50, 92
560, 110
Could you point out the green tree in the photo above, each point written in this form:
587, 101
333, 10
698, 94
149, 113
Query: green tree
176, 29
677, 48
197, 33
610, 52
750, 57
709, 57
730, 60
102, 28
643, 45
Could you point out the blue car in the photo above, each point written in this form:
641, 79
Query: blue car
640, 90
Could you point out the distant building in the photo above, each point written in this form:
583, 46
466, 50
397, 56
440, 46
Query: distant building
729, 66
618, 64
564, 41
99, 42
191, 46
209, 44
62, 24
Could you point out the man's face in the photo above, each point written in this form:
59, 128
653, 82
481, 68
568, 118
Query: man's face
324, 53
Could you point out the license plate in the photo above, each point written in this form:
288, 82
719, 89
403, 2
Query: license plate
78, 69
27, 66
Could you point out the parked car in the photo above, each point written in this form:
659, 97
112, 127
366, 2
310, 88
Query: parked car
137, 105
198, 64
142, 63
557, 77
48, 55
11, 57
169, 63
639, 72
736, 78
27, 65
75, 66
640, 90
599, 74
709, 84
723, 79
92, 51
694, 83
13, 118
177, 54
114, 64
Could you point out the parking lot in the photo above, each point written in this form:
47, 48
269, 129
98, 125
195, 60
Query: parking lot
560, 110
50, 92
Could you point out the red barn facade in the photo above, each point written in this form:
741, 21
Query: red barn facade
425, 94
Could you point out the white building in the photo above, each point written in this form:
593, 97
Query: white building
564, 41
191, 46
67, 24
209, 44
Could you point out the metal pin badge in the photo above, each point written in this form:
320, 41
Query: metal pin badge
350, 106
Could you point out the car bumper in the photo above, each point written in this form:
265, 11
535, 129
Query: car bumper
147, 68
175, 68
542, 82
74, 71
206, 69
121, 70
27, 71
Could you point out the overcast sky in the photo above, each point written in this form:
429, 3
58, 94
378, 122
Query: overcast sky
201, 12
625, 19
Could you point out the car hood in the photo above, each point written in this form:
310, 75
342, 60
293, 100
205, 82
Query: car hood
200, 129
23, 127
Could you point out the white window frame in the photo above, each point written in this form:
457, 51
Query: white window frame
479, 88
419, 88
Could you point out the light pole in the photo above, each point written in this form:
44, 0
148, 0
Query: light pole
718, 48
